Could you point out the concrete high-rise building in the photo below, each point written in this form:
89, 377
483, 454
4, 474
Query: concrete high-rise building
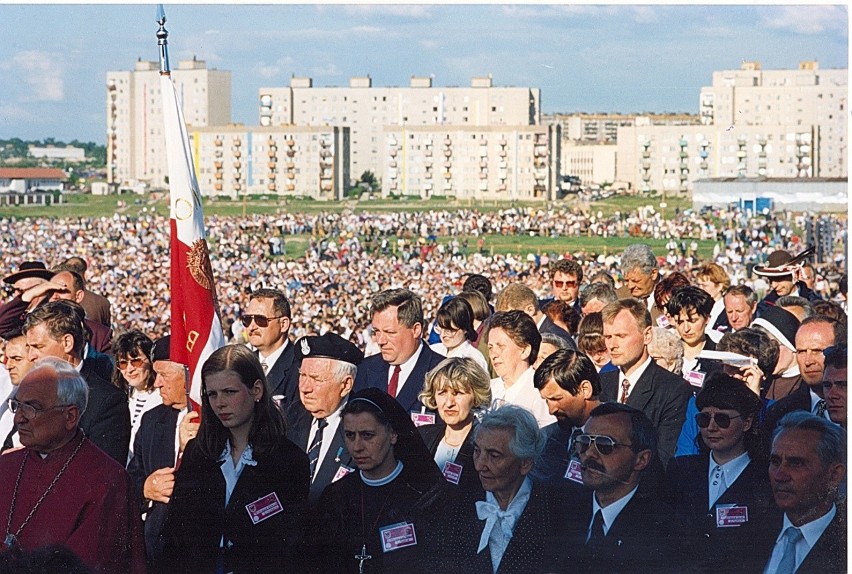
506, 163
754, 123
135, 141
369, 111
309, 161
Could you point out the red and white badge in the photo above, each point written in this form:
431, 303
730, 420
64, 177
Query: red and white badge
695, 378
422, 419
574, 472
729, 515
264, 507
452, 472
342, 471
663, 322
396, 536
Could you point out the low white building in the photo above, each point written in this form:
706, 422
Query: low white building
69, 153
30, 179
815, 194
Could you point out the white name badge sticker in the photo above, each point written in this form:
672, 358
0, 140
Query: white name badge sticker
730, 515
663, 322
396, 536
264, 507
452, 472
342, 471
574, 472
422, 419
695, 378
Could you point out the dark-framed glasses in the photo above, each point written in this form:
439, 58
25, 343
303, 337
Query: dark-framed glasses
723, 420
604, 444
259, 320
28, 410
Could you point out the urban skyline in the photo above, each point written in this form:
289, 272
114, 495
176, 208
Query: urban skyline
586, 58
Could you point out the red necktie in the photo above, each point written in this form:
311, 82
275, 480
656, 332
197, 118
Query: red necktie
394, 381
625, 384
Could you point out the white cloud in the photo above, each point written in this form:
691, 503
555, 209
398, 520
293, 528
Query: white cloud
41, 72
807, 19
366, 30
398, 10
328, 69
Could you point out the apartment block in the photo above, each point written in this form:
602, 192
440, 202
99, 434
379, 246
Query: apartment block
591, 162
603, 128
368, 110
463, 162
135, 141
753, 123
307, 161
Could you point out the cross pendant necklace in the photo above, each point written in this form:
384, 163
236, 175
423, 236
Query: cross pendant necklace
360, 557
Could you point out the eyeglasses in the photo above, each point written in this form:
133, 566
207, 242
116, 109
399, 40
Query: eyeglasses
561, 284
604, 444
826, 385
259, 320
723, 421
29, 411
135, 363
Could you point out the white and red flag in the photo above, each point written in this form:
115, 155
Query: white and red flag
196, 330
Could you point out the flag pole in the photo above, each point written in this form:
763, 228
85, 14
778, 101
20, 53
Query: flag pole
163, 41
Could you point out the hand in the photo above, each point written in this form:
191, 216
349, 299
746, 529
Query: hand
751, 376
159, 485
40, 289
188, 429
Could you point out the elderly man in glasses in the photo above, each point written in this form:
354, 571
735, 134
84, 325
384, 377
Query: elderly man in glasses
267, 323
621, 526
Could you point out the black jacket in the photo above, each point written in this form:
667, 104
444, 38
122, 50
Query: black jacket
374, 372
469, 479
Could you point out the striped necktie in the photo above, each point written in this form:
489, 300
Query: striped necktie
316, 445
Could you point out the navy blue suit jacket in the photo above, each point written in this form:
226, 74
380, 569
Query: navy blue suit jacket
373, 372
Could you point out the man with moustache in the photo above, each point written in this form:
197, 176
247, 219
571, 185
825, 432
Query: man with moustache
570, 385
621, 526
158, 445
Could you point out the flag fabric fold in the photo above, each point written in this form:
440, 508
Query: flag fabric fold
196, 330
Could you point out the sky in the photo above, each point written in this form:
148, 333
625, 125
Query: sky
584, 57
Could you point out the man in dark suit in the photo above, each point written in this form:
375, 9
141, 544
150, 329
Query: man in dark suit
401, 366
97, 306
806, 468
156, 446
68, 285
639, 381
569, 383
641, 273
519, 297
267, 322
328, 365
56, 330
621, 526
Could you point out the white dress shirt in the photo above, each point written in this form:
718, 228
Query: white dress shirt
328, 433
720, 477
524, 394
811, 532
500, 524
609, 512
405, 369
633, 378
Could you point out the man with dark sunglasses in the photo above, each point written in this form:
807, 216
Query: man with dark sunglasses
267, 324
622, 526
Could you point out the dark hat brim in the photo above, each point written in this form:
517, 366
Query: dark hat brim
26, 274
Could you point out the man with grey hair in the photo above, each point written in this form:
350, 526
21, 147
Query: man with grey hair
641, 273
519, 527
798, 306
595, 297
329, 365
806, 469
400, 367
60, 489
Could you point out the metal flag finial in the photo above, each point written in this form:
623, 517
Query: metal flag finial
163, 40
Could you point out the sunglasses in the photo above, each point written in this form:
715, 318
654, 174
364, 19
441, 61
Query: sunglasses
259, 320
723, 421
561, 284
826, 385
604, 444
135, 363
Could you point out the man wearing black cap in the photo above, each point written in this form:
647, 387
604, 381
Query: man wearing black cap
327, 373
785, 274
157, 445
29, 275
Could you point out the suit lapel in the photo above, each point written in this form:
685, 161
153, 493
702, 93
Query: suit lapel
642, 393
407, 397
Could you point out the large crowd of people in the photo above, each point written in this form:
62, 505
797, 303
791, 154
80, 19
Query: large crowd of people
389, 402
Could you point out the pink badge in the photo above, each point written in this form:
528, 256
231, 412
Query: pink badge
264, 507
421, 419
695, 378
398, 536
663, 322
452, 472
574, 471
342, 471
731, 515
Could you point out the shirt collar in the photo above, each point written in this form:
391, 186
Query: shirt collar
637, 374
245, 459
611, 512
273, 356
813, 529
731, 469
519, 502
